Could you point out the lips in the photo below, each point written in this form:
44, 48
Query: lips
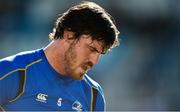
86, 68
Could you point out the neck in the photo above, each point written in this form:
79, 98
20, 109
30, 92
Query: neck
55, 55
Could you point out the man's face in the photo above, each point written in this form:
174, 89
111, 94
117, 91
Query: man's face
81, 55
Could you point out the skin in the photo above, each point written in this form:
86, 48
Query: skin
71, 57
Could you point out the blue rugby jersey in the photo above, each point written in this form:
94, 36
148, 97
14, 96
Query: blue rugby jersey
44, 88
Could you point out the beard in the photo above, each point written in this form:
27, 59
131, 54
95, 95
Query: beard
73, 68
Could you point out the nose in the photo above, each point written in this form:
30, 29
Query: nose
94, 58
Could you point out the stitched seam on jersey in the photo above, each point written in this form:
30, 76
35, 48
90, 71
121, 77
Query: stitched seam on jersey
25, 69
37, 61
27, 66
92, 99
91, 86
9, 73
23, 88
89, 83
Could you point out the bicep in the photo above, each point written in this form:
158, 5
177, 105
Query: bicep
8, 87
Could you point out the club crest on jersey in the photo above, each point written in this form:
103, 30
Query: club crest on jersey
42, 97
77, 106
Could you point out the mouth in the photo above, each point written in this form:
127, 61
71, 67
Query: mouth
86, 68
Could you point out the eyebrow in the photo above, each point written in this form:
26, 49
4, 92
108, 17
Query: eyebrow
96, 49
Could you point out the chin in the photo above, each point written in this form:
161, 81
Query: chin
78, 76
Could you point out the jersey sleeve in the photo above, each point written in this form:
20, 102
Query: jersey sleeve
9, 81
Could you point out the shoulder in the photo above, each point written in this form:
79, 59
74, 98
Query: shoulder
93, 83
9, 73
15, 62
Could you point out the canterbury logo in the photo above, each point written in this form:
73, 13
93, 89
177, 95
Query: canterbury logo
41, 97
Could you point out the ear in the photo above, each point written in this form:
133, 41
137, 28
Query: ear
68, 35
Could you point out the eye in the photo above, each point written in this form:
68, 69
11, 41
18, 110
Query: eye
92, 49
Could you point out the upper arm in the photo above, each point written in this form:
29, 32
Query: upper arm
9, 82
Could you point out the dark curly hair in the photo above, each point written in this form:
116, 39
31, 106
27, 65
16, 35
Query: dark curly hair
88, 18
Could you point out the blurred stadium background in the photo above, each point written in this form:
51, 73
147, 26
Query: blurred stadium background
141, 74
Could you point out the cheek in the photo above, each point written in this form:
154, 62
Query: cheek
78, 59
82, 55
